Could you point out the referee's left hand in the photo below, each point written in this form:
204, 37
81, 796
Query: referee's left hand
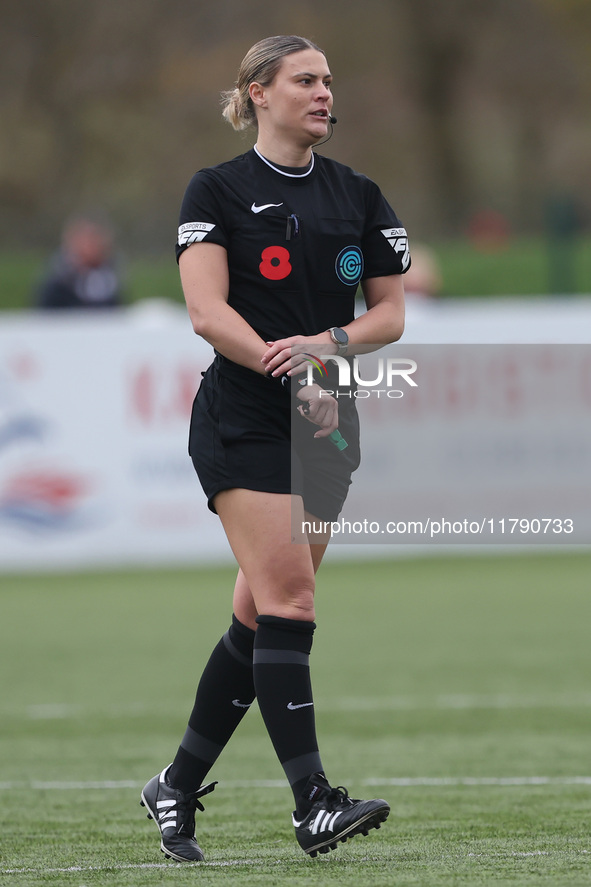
320, 408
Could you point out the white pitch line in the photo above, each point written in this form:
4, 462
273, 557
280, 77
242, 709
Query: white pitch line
130, 866
96, 784
169, 866
444, 701
398, 781
499, 854
456, 701
442, 782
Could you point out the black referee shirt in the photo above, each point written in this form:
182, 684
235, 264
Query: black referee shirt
298, 245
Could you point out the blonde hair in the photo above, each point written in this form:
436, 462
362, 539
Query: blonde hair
260, 64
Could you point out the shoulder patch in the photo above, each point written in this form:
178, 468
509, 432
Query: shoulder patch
193, 232
398, 240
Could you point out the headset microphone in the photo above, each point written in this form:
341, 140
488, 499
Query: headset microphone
332, 120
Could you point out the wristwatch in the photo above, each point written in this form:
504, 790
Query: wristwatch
340, 338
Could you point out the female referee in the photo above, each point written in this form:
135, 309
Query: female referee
271, 248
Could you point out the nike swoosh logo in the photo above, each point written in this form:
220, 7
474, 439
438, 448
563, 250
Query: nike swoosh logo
259, 209
293, 707
241, 704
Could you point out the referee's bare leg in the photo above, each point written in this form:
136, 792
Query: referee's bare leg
274, 594
260, 527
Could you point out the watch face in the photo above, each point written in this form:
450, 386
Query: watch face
340, 336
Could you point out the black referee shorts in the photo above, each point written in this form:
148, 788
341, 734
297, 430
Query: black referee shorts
246, 432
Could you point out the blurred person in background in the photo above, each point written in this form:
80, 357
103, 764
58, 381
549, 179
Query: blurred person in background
84, 273
423, 282
271, 248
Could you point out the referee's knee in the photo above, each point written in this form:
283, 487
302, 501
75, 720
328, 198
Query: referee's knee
301, 610
293, 599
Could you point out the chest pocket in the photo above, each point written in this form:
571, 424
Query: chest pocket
270, 250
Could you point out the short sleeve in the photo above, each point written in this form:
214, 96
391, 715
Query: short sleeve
385, 241
201, 217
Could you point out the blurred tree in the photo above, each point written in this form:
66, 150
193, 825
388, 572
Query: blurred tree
453, 107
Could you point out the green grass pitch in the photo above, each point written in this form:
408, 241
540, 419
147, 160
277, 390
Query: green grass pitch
457, 687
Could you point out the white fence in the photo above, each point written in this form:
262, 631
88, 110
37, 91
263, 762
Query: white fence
94, 419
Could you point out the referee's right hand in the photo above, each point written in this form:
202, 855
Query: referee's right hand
320, 408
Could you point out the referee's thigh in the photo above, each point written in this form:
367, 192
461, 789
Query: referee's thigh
278, 568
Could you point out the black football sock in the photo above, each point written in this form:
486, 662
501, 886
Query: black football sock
224, 695
284, 693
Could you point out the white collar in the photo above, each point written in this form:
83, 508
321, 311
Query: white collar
290, 175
